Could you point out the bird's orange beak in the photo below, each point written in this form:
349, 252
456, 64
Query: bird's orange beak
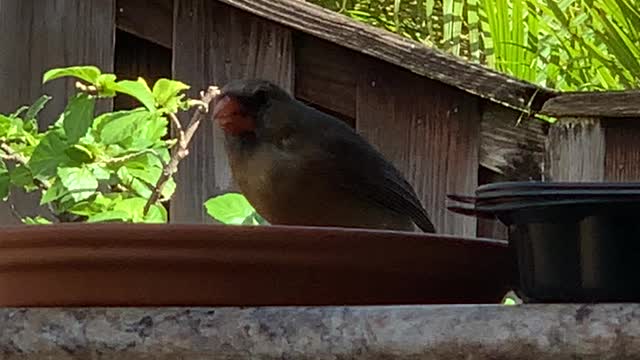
231, 117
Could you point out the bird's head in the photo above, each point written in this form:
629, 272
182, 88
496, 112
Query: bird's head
240, 107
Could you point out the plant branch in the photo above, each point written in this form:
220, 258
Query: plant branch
184, 138
175, 122
10, 154
15, 212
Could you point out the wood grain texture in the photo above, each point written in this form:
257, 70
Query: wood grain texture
135, 57
326, 74
149, 19
408, 54
576, 150
213, 44
37, 36
622, 144
430, 133
511, 148
595, 104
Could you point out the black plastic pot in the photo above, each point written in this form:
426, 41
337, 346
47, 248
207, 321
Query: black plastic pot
574, 242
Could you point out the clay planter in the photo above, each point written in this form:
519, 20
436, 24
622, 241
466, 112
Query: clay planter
214, 265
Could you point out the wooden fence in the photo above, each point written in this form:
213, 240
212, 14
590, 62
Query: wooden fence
448, 125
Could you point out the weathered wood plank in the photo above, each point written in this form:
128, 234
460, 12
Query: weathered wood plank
408, 54
511, 148
325, 74
622, 147
37, 36
214, 43
135, 57
576, 150
594, 104
149, 19
430, 134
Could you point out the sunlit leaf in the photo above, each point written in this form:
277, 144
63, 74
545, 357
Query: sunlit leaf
87, 73
79, 181
230, 208
36, 107
139, 90
49, 155
167, 93
106, 83
5, 181
78, 116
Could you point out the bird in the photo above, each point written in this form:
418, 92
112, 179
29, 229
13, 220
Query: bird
299, 166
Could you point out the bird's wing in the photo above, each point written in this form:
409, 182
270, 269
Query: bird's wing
368, 175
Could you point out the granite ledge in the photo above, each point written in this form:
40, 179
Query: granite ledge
603, 331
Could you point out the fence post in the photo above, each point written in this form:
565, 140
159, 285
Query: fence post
596, 137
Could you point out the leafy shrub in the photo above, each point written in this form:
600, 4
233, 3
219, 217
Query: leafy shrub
114, 166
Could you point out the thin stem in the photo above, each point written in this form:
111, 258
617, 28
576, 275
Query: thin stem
182, 149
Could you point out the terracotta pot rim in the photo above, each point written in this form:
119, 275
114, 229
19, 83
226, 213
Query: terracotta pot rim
215, 265
91, 231
213, 246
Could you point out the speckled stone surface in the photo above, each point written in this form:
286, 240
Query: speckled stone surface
609, 331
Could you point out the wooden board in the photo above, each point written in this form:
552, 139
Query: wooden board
214, 43
148, 19
37, 36
326, 74
620, 104
622, 147
392, 48
514, 149
430, 133
576, 150
135, 57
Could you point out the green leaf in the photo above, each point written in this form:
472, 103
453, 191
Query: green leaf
37, 106
99, 204
87, 73
48, 155
150, 132
54, 192
141, 174
138, 186
157, 215
18, 112
107, 85
139, 90
79, 153
117, 127
509, 301
31, 128
100, 172
5, 181
21, 176
11, 128
133, 207
166, 93
38, 220
230, 208
111, 215
78, 116
80, 182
